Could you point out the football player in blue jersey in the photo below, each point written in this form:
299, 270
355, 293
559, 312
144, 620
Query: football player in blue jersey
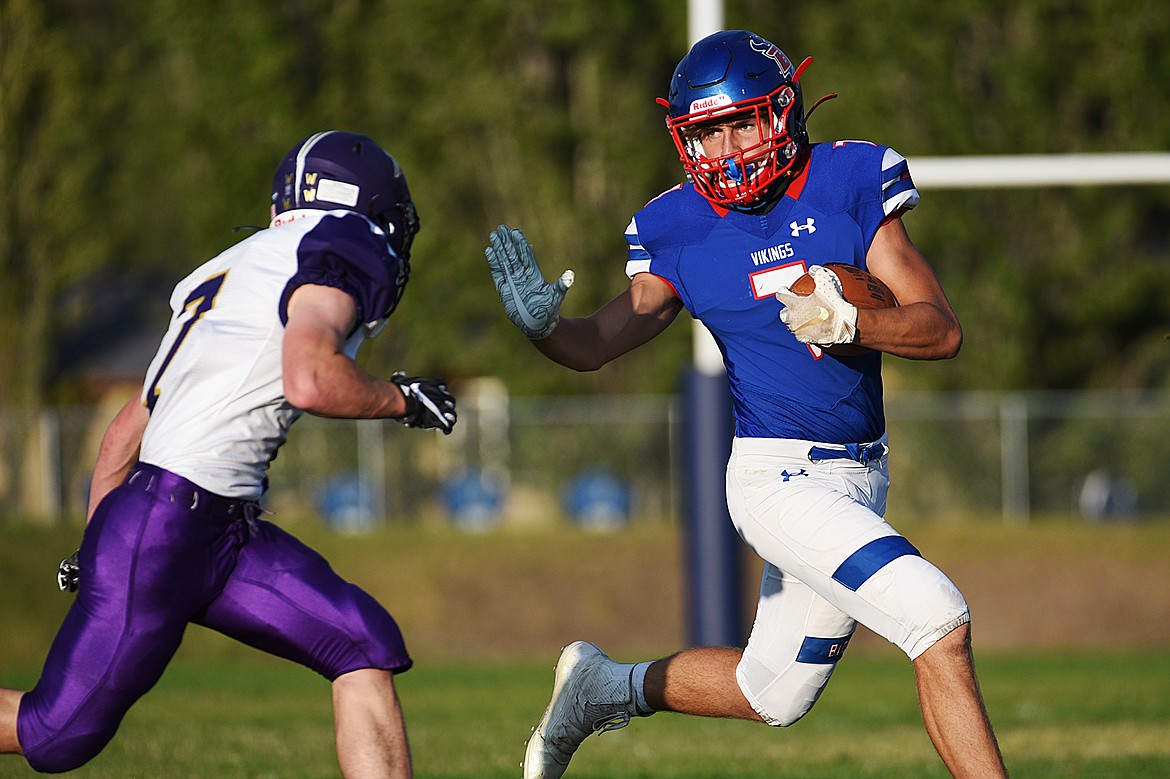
807, 478
260, 334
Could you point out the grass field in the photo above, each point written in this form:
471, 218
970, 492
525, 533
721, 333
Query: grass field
1057, 716
484, 638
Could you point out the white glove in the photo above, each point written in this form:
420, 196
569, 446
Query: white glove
824, 317
532, 304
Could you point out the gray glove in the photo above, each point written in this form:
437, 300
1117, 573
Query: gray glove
429, 404
532, 304
69, 573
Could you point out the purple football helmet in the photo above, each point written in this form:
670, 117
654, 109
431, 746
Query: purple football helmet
737, 73
335, 169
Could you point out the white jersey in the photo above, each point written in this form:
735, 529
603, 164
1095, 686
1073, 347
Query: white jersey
215, 388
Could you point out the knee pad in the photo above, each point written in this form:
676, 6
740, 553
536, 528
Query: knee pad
50, 748
919, 604
783, 695
370, 639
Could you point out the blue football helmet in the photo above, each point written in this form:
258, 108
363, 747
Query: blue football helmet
737, 74
342, 170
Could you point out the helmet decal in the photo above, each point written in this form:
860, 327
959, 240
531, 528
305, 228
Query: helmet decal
334, 191
302, 155
708, 103
772, 52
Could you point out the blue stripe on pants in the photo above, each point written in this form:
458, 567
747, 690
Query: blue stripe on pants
822, 651
871, 558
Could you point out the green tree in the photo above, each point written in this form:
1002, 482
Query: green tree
49, 162
132, 142
533, 114
1056, 287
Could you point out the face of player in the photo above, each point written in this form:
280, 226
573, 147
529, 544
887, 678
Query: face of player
723, 137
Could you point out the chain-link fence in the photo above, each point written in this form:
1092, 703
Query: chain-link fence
612, 459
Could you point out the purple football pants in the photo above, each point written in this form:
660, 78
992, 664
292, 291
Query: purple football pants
160, 553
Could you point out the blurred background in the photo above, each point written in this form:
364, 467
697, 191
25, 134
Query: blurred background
135, 136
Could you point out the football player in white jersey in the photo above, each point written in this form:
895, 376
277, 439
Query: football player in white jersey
807, 478
260, 334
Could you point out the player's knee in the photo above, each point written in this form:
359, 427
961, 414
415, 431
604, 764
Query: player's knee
950, 611
787, 714
780, 710
783, 698
371, 639
60, 733
57, 763
66, 751
953, 647
928, 604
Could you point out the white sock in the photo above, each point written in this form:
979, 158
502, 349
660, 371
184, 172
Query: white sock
638, 683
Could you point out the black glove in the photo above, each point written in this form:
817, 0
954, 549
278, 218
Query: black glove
429, 404
69, 573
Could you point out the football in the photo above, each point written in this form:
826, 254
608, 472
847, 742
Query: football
860, 288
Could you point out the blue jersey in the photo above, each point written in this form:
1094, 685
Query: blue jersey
726, 266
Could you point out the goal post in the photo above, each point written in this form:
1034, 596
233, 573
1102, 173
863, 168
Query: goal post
1040, 170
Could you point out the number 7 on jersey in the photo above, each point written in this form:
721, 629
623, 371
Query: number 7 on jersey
198, 303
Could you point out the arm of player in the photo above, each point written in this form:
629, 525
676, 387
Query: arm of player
586, 343
321, 379
635, 316
923, 326
118, 452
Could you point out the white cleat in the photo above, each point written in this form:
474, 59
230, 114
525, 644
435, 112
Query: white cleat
591, 694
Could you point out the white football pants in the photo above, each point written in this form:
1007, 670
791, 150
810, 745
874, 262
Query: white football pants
813, 512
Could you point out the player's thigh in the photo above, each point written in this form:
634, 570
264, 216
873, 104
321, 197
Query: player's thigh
823, 527
806, 518
796, 641
285, 599
141, 571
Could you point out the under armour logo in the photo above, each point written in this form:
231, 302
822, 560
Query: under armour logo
787, 475
797, 227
